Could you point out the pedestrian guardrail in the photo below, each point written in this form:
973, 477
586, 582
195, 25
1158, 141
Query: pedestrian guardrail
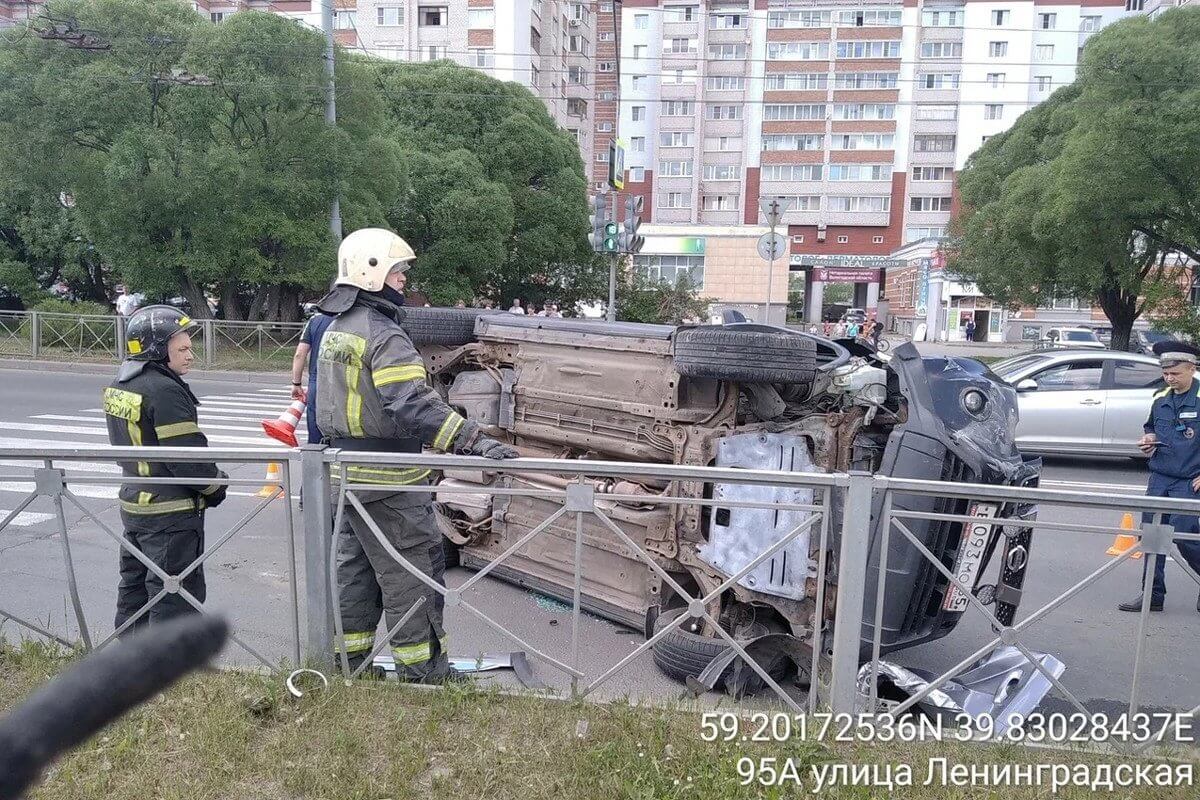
858, 527
216, 344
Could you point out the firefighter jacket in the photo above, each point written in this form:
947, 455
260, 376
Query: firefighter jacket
371, 385
155, 408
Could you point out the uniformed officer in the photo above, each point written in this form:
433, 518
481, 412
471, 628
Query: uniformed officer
372, 395
1172, 442
150, 405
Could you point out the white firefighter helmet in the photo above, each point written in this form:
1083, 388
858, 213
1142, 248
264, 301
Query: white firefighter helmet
366, 256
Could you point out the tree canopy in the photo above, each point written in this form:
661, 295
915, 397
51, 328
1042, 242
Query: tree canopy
1093, 193
184, 156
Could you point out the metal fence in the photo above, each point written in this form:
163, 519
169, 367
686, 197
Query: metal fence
217, 344
857, 525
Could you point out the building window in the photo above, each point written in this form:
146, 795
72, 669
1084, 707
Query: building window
798, 19
535, 41
1047, 22
433, 53
798, 239
941, 49
995, 79
218, 16
682, 76
605, 36
604, 127
725, 83
606, 66
577, 44
535, 76
864, 111
843, 239
798, 51
867, 49
721, 172
933, 144
712, 111
800, 202
798, 81
862, 141
939, 113
869, 18
641, 22
999, 17
637, 82
1089, 24
481, 17
679, 168
932, 173
876, 240
680, 13
1043, 82
864, 80
997, 49
1043, 52
860, 172
606, 7
727, 52
675, 139
794, 172
577, 107
431, 16
675, 200
389, 15
637, 174
915, 233
719, 202
727, 21
481, 58
942, 19
638, 113
781, 112
576, 76
602, 157
929, 204
793, 141
637, 144
671, 268
639, 51
861, 204
1135, 5
678, 108
993, 111
938, 80
679, 45
721, 144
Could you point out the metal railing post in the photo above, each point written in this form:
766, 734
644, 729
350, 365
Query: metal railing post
316, 491
35, 334
119, 332
851, 587
210, 343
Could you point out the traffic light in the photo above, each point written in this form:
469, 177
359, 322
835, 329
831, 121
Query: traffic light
611, 239
599, 220
631, 242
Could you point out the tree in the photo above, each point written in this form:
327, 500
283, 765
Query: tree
642, 299
1091, 194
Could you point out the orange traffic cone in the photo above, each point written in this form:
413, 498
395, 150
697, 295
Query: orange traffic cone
284, 428
1125, 541
273, 488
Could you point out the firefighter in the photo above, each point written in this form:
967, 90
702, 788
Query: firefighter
150, 405
372, 395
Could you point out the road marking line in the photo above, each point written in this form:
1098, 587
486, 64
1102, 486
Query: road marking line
72, 418
25, 518
93, 490
79, 430
75, 466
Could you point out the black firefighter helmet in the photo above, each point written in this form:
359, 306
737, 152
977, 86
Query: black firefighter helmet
147, 334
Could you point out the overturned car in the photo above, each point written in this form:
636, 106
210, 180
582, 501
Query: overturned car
737, 396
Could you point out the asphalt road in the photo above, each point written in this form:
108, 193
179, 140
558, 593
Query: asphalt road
249, 575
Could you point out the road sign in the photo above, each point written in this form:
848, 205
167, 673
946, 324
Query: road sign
772, 209
772, 246
616, 165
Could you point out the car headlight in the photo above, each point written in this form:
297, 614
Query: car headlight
974, 401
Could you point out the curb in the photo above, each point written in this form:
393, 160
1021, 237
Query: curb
110, 369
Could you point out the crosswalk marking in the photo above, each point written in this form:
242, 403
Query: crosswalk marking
204, 426
96, 491
79, 430
25, 518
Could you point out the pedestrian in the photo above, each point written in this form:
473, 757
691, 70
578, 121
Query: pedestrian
851, 329
1174, 448
149, 405
516, 307
876, 333
126, 301
460, 304
305, 360
554, 312
373, 396
545, 312
839, 330
487, 305
970, 329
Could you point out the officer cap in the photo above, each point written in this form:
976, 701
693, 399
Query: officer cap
1171, 352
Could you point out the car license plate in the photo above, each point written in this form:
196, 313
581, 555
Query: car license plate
970, 555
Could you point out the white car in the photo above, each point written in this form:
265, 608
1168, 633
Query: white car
1081, 402
1072, 337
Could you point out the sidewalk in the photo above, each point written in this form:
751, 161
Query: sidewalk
100, 368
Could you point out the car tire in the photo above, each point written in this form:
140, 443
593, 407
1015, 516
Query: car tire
682, 654
453, 327
762, 355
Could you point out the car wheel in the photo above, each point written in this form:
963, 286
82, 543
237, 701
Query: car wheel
446, 326
683, 654
745, 355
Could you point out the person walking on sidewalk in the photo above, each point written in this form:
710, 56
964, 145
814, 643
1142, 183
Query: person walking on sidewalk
373, 395
149, 405
1173, 445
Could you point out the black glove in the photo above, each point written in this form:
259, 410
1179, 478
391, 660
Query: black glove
490, 448
214, 499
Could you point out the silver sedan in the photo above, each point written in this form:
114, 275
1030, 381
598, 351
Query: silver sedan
1082, 402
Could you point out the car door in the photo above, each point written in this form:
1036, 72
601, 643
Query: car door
1066, 410
1130, 386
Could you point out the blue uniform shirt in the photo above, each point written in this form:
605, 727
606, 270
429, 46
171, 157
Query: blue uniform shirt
1175, 419
313, 332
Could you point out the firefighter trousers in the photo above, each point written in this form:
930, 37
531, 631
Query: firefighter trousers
372, 584
173, 550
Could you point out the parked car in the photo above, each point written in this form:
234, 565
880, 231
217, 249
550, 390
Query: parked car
1071, 337
856, 315
1143, 341
738, 395
1081, 401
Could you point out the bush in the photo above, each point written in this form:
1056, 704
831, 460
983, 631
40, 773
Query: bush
74, 334
53, 305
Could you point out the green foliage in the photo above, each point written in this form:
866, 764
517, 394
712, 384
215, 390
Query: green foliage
198, 159
836, 293
640, 299
54, 305
1093, 193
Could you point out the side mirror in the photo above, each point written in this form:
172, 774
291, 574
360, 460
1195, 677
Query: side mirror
1027, 385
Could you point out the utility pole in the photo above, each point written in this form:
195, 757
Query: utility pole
335, 213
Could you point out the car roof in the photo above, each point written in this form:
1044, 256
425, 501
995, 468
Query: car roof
1065, 353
